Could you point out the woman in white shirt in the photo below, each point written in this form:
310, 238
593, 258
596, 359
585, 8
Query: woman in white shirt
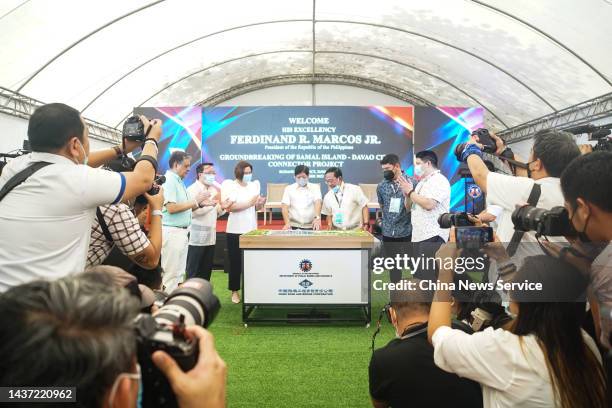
239, 197
544, 360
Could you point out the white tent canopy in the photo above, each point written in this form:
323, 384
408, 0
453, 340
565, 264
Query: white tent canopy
519, 59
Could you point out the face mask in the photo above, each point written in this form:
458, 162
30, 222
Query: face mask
86, 159
418, 170
209, 178
389, 175
582, 236
247, 178
302, 182
336, 189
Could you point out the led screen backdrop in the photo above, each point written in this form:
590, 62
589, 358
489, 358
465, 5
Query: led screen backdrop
441, 129
274, 139
181, 130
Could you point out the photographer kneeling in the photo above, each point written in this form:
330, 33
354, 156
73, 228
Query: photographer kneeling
79, 332
544, 360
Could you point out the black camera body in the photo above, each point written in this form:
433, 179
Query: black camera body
153, 336
133, 129
484, 138
553, 223
191, 304
458, 219
159, 180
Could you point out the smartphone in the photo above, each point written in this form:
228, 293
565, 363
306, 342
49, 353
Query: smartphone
473, 237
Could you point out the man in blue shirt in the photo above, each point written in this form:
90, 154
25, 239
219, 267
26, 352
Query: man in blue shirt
396, 226
176, 219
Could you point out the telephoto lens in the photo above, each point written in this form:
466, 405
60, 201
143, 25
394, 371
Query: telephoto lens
191, 304
195, 300
448, 220
553, 223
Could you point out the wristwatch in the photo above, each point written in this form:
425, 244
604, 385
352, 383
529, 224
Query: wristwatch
157, 212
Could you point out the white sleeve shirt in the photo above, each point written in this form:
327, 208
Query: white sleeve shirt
425, 222
240, 222
511, 374
509, 191
203, 227
349, 201
300, 201
45, 222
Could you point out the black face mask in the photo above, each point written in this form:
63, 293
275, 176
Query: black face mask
389, 175
582, 235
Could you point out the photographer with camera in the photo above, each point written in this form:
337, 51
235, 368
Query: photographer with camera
403, 373
116, 227
48, 198
544, 359
552, 151
79, 331
587, 189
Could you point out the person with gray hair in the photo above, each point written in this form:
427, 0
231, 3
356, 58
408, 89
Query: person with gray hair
403, 373
78, 332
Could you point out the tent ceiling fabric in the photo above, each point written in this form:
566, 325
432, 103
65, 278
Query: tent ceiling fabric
520, 60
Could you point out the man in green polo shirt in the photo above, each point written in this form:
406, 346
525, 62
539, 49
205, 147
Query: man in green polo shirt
176, 219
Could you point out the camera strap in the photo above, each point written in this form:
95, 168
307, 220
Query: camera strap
104, 226
534, 196
20, 177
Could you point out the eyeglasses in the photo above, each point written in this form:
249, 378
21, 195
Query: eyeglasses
132, 376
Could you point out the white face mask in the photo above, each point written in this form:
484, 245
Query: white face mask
418, 170
86, 159
209, 179
302, 181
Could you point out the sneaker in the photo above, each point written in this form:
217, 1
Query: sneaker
235, 298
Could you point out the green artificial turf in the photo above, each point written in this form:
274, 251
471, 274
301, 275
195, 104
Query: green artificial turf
294, 365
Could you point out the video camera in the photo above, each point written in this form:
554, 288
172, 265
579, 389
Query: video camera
599, 133
554, 222
191, 304
467, 235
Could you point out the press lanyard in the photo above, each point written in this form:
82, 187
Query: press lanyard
339, 201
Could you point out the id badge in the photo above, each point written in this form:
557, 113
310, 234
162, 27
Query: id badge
394, 205
339, 218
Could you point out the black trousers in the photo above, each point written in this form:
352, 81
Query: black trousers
200, 261
428, 249
235, 260
391, 249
